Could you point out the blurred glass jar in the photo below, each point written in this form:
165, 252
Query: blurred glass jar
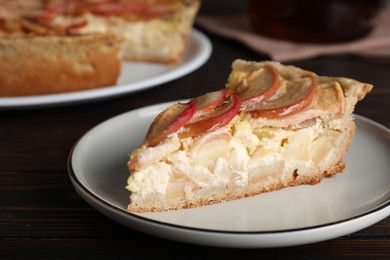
314, 21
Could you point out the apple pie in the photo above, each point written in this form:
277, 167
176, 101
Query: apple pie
54, 46
273, 126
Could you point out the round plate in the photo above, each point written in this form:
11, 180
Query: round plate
298, 215
135, 76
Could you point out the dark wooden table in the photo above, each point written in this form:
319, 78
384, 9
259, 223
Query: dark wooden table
42, 216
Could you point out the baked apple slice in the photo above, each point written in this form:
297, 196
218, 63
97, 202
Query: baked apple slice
142, 9
169, 121
209, 101
76, 27
259, 86
216, 118
299, 94
108, 8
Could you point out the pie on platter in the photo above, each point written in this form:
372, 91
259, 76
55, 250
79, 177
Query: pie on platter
61, 46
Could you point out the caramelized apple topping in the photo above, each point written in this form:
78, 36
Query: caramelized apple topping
214, 119
261, 94
169, 121
299, 95
209, 101
258, 87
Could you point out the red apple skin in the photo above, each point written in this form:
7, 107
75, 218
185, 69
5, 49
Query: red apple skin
144, 10
217, 118
168, 122
209, 101
74, 28
273, 111
254, 94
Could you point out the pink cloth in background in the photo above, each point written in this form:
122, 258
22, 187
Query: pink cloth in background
377, 43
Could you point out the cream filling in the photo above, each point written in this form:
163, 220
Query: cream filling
154, 179
159, 41
238, 153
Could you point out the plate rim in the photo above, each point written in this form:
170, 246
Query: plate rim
75, 180
68, 98
382, 209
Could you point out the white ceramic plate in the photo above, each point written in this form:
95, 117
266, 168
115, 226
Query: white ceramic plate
135, 76
304, 214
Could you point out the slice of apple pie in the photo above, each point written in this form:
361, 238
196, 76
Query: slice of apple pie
273, 126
